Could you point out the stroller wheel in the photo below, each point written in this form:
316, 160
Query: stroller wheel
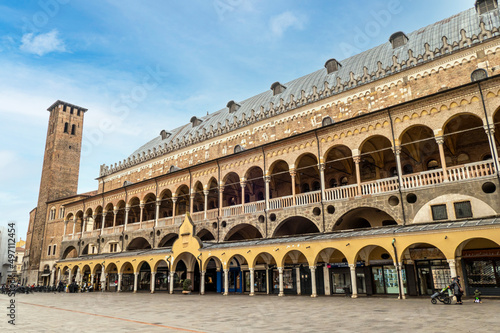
447, 300
433, 301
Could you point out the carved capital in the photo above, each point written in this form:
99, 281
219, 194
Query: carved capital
357, 159
439, 140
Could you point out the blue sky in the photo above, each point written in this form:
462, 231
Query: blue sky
145, 66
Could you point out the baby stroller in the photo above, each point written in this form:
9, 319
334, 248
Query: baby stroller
441, 296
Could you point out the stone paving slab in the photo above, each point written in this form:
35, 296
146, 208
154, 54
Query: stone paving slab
161, 312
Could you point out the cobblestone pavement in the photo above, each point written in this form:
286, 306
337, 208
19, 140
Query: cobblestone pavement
161, 312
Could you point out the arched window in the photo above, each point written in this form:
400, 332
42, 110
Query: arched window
333, 182
327, 121
66, 126
432, 165
73, 129
316, 186
305, 188
344, 181
393, 171
407, 169
238, 149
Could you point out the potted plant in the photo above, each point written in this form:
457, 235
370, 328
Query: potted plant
186, 286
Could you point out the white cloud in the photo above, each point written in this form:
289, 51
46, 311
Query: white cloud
279, 24
43, 43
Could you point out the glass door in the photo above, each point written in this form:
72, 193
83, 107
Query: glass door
378, 280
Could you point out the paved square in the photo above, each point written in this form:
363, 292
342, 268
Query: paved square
161, 312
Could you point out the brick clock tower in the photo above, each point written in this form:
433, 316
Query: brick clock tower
61, 166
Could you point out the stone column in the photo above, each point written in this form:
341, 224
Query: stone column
293, 174
221, 193
267, 280
74, 225
136, 278
115, 212
243, 183
297, 280
267, 180
92, 276
493, 146
453, 267
397, 153
357, 161
440, 142
141, 206
52, 275
322, 179
94, 226
58, 275
226, 282
152, 286
401, 281
103, 221
65, 227
326, 279
84, 225
354, 283
157, 212
171, 282
119, 286
313, 281
127, 209
205, 193
70, 277
191, 202
252, 281
280, 270
202, 283
103, 280
174, 202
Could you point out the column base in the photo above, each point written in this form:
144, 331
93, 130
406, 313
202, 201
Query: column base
135, 291
314, 295
354, 296
153, 292
224, 294
281, 294
203, 293
251, 294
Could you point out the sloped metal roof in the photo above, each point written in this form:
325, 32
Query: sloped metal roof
359, 233
428, 39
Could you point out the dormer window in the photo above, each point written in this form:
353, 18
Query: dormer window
398, 39
232, 106
277, 88
479, 74
327, 121
164, 134
332, 65
195, 121
484, 6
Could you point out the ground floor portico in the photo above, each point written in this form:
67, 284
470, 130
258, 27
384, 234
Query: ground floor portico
392, 260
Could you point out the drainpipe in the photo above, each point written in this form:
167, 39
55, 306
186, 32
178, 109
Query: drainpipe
399, 176
492, 144
265, 194
199, 259
322, 192
218, 199
400, 287
123, 230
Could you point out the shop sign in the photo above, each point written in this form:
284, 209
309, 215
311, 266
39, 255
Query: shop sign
344, 264
481, 253
426, 253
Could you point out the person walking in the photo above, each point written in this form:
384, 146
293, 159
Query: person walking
457, 289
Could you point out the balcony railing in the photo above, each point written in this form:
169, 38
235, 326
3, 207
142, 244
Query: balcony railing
421, 179
212, 213
307, 198
282, 202
472, 170
231, 210
133, 226
340, 193
165, 221
148, 224
179, 219
108, 231
253, 207
198, 216
380, 186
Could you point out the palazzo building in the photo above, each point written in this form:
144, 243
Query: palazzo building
378, 174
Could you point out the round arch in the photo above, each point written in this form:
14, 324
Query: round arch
372, 252
205, 235
295, 225
70, 252
243, 231
339, 167
307, 173
363, 217
294, 257
138, 243
168, 240
377, 158
330, 255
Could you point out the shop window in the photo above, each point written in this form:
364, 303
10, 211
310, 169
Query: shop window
463, 209
432, 165
439, 212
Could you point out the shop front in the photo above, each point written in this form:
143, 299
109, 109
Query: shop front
481, 269
260, 280
340, 278
385, 278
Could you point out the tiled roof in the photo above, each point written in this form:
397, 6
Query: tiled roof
449, 35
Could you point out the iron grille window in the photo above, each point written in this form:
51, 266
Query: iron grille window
439, 212
463, 209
